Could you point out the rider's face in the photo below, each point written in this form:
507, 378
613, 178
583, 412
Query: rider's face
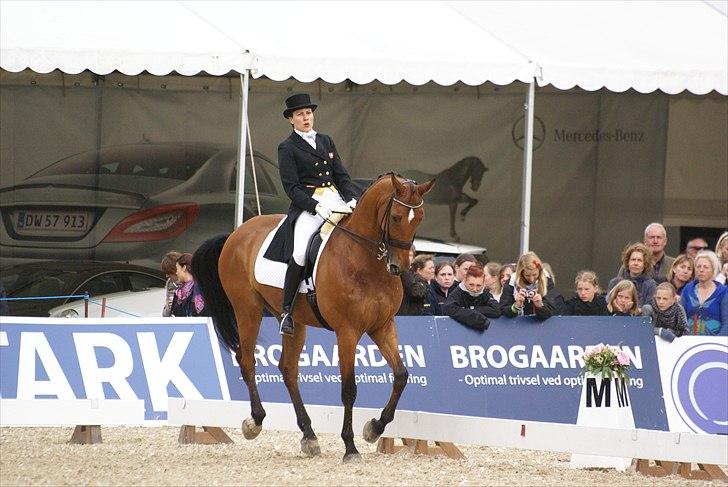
302, 119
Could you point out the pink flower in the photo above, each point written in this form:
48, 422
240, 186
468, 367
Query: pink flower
622, 358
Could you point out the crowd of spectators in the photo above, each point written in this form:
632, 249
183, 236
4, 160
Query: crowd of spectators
682, 295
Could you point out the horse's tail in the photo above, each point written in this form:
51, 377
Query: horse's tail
204, 268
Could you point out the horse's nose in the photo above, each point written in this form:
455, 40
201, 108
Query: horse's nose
394, 269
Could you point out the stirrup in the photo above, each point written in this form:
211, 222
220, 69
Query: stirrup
289, 328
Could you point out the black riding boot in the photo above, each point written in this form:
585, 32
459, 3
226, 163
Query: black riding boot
294, 274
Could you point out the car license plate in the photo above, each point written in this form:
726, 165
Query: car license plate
51, 222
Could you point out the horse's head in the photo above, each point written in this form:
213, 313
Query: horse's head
400, 213
477, 169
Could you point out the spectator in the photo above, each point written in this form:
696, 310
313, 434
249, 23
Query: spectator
549, 271
440, 287
588, 300
622, 299
681, 273
424, 265
696, 245
706, 300
531, 291
668, 317
470, 303
721, 249
462, 264
655, 240
188, 300
637, 266
506, 272
415, 288
492, 279
169, 267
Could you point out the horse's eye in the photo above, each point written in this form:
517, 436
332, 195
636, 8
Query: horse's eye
396, 218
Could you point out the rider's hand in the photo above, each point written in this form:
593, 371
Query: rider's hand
322, 211
352, 203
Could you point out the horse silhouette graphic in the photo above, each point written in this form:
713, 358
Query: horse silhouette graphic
449, 187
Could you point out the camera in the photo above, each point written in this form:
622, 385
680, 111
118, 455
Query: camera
530, 293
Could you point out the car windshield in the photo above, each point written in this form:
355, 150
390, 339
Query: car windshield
41, 282
160, 161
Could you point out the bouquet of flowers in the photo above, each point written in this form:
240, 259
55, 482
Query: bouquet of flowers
606, 360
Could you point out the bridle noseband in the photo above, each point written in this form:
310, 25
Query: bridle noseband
385, 241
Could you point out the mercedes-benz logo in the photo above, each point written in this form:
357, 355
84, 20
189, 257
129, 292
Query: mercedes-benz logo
693, 384
539, 132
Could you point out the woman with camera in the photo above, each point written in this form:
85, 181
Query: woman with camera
531, 291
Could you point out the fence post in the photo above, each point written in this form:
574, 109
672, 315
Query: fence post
85, 304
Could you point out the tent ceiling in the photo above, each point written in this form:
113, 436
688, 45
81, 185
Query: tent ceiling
671, 46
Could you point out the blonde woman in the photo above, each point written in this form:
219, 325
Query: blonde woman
721, 250
588, 300
622, 299
706, 300
637, 262
531, 291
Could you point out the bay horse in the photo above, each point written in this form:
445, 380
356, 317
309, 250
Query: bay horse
450, 184
358, 291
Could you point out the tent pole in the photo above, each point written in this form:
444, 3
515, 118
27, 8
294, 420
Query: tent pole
242, 146
527, 166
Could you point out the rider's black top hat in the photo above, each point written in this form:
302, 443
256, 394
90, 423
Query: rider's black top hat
297, 101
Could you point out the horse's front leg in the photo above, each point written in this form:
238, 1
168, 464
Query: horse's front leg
347, 340
470, 201
288, 365
386, 339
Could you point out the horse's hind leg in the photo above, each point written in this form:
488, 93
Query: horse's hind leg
386, 339
248, 313
288, 365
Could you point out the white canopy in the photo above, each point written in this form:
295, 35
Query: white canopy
671, 46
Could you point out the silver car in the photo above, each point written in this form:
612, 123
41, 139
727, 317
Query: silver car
131, 202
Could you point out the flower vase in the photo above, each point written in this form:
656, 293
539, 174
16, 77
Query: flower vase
605, 403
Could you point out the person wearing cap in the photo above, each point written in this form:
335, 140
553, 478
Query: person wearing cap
317, 183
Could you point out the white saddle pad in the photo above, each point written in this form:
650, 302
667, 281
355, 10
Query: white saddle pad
272, 273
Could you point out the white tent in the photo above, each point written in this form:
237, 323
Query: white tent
671, 46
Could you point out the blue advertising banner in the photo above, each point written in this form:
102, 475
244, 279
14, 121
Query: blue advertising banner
517, 369
115, 358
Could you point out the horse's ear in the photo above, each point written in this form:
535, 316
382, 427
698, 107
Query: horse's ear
425, 187
398, 187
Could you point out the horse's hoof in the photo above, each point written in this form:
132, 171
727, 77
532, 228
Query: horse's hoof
370, 435
310, 447
352, 458
250, 429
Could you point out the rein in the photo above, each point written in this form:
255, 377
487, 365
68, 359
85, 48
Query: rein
385, 241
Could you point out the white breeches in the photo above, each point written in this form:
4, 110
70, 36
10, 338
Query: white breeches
307, 224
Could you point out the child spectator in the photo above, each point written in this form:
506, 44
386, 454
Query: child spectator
504, 276
622, 299
588, 300
668, 317
531, 291
188, 300
440, 287
169, 267
470, 303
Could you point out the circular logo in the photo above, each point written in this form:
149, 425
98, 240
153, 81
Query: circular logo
698, 385
539, 132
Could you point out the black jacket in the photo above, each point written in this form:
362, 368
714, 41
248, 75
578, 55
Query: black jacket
436, 298
414, 295
577, 307
471, 311
553, 303
303, 169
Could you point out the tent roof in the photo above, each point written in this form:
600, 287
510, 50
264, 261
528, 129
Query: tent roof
671, 46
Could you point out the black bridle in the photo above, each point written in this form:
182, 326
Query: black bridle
385, 241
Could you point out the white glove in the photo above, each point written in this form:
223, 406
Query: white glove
323, 212
352, 204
